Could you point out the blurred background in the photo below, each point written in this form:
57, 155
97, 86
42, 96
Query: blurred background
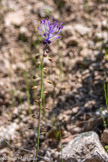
78, 71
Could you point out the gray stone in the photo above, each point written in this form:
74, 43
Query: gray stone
104, 24
67, 31
15, 18
45, 10
7, 133
83, 30
85, 147
98, 36
72, 41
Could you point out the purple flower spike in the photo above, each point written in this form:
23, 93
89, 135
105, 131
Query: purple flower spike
50, 29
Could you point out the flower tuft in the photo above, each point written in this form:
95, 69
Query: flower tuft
50, 29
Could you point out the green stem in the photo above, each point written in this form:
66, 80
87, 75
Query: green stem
27, 93
106, 97
40, 107
103, 118
61, 147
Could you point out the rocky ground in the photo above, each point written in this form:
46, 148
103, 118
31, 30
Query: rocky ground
78, 72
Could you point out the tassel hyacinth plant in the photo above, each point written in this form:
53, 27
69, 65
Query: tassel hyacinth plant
49, 30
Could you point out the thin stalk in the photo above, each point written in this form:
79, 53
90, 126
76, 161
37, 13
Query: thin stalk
27, 93
106, 94
106, 97
103, 118
27, 85
61, 147
60, 64
40, 106
44, 102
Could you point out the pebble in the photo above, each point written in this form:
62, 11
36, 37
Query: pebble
15, 18
45, 10
82, 30
72, 41
68, 31
104, 136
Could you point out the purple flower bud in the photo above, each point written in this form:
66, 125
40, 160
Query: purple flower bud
45, 54
50, 29
49, 41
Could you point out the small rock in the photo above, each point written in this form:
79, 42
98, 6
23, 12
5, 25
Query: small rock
44, 11
68, 31
90, 104
72, 41
54, 155
85, 147
15, 18
48, 154
23, 30
98, 37
46, 61
83, 30
85, 72
104, 136
7, 133
104, 24
4, 66
20, 66
71, 128
24, 34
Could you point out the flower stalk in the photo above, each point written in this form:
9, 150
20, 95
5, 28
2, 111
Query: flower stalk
49, 30
41, 99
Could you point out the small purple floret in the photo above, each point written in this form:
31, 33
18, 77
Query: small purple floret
50, 29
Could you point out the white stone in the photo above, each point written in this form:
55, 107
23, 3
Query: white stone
67, 31
85, 147
15, 18
83, 30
